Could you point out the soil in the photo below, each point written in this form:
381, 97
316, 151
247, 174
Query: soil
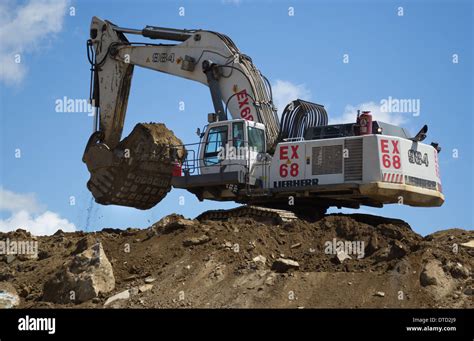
202, 264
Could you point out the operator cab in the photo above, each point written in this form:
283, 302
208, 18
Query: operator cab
232, 145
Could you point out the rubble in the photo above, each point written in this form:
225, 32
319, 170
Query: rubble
341, 256
8, 296
145, 287
124, 295
284, 265
150, 280
432, 274
196, 240
266, 264
82, 278
259, 259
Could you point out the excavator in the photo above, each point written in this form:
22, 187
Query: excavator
294, 166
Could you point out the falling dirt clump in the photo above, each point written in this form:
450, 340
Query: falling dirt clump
339, 261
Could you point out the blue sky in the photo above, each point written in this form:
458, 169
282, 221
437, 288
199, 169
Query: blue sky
407, 56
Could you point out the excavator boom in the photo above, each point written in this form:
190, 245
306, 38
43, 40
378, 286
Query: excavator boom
137, 171
237, 86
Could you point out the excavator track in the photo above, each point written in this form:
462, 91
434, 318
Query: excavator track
137, 173
247, 211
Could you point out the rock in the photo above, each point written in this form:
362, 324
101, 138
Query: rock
7, 275
172, 222
341, 256
459, 271
25, 290
374, 244
8, 296
150, 280
432, 274
435, 279
196, 240
82, 278
270, 280
145, 287
394, 251
130, 278
379, 294
397, 250
469, 291
133, 291
22, 234
85, 243
382, 254
284, 265
124, 295
10, 258
469, 243
59, 233
43, 255
259, 259
294, 246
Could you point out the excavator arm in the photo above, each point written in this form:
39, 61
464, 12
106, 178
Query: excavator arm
237, 87
137, 170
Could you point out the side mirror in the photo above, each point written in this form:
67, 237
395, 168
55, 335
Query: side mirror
436, 146
198, 132
421, 134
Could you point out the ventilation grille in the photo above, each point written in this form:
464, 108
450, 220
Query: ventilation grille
353, 159
327, 160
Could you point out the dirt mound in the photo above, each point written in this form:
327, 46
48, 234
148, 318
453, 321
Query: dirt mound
339, 261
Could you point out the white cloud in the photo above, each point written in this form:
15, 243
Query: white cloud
284, 92
13, 202
350, 114
24, 29
28, 214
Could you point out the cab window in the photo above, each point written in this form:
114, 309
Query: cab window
238, 134
216, 141
256, 139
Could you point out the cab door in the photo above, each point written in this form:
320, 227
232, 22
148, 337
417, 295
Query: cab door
247, 141
213, 149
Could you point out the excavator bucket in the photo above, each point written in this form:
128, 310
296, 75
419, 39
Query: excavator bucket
137, 173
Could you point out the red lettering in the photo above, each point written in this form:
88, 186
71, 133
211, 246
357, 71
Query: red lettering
294, 169
386, 161
395, 147
384, 146
244, 113
284, 153
244, 102
294, 152
284, 170
242, 94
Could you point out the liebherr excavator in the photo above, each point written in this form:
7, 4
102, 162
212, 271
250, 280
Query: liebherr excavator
300, 165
